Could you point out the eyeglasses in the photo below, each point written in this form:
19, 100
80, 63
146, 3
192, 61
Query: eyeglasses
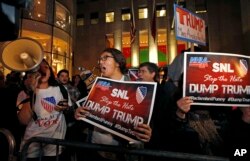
104, 58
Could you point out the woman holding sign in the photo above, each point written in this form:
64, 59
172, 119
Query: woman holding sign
112, 65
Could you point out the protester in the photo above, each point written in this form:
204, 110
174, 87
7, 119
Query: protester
74, 127
112, 65
148, 72
63, 79
80, 85
23, 97
43, 114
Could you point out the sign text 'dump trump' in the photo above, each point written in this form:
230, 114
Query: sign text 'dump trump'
217, 78
119, 106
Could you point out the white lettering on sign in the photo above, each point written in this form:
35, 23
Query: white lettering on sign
120, 93
222, 67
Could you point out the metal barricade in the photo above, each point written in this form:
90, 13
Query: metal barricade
11, 143
128, 151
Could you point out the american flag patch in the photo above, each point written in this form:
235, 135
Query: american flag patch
48, 103
141, 93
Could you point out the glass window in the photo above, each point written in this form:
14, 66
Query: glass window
80, 20
94, 18
60, 42
61, 50
58, 63
62, 18
143, 13
110, 17
47, 57
126, 14
69, 65
38, 31
40, 10
161, 11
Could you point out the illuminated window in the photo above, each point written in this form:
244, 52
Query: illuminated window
143, 13
161, 11
80, 20
60, 50
126, 14
94, 18
110, 17
39, 10
33, 30
62, 17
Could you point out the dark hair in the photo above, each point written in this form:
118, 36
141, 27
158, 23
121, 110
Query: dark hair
119, 58
13, 78
62, 71
52, 80
165, 70
152, 67
82, 87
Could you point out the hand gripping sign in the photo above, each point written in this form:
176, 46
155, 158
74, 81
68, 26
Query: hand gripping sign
119, 106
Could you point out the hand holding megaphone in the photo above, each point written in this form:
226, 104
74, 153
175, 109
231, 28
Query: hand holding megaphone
33, 81
39, 76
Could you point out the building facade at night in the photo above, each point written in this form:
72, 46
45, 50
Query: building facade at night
74, 32
107, 23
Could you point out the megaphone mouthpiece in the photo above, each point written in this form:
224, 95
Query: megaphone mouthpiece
27, 60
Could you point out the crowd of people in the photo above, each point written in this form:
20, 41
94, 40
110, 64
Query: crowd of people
41, 104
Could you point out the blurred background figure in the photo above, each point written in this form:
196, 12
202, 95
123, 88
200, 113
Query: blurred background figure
63, 79
163, 72
80, 85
